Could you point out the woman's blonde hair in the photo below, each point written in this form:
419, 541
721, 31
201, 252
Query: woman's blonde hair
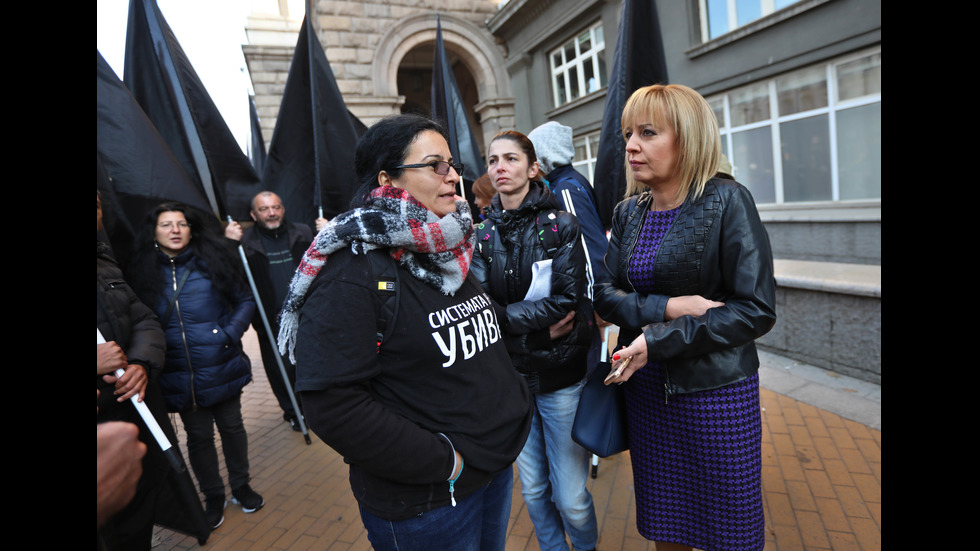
691, 118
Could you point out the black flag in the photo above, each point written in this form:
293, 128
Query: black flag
448, 109
256, 150
168, 89
311, 155
136, 169
638, 61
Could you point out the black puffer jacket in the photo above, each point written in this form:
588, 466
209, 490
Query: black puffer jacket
717, 248
123, 319
507, 247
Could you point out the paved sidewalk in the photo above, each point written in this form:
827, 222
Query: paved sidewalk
821, 475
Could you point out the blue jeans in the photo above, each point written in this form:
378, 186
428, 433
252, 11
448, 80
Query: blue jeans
554, 471
478, 522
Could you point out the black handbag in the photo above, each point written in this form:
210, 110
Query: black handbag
600, 420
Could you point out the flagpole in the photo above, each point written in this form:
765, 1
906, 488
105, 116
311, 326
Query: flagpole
151, 423
169, 451
447, 107
204, 172
272, 341
308, 27
205, 175
190, 127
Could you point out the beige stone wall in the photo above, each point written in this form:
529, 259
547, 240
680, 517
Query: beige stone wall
352, 31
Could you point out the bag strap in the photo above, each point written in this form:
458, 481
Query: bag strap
485, 235
173, 299
384, 275
546, 226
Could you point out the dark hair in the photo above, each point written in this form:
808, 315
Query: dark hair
214, 254
524, 143
385, 145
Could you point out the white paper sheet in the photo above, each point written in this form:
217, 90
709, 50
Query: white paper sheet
540, 280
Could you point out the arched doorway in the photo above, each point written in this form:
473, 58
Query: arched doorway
415, 83
402, 67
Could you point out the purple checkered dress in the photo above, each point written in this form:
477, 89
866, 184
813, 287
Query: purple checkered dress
697, 458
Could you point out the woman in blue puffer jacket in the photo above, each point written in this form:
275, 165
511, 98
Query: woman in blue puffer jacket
192, 279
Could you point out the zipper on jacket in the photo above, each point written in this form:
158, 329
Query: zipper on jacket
452, 481
629, 257
183, 333
452, 490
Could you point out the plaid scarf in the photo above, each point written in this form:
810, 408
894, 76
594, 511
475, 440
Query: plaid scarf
436, 251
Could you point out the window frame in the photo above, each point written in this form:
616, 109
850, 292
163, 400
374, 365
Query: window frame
562, 71
708, 44
775, 120
591, 138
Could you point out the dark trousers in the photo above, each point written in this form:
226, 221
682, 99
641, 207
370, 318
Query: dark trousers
202, 452
272, 372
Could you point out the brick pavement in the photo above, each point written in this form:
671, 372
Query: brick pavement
821, 485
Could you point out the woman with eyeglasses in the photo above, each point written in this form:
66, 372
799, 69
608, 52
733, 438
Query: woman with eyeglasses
548, 334
399, 355
186, 271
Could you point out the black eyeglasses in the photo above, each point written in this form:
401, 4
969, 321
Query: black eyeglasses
440, 167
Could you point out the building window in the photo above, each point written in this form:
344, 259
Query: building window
586, 150
810, 135
722, 16
579, 66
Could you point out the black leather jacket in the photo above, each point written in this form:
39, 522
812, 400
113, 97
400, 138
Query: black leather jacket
718, 248
504, 270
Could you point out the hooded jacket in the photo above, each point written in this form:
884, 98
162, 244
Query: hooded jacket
205, 363
507, 247
717, 248
555, 150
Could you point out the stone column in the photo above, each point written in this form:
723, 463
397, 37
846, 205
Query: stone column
271, 42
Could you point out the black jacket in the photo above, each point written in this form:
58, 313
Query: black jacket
300, 237
441, 381
502, 263
718, 248
122, 318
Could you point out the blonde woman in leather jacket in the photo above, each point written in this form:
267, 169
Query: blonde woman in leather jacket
690, 283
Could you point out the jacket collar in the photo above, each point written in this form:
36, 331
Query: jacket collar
538, 198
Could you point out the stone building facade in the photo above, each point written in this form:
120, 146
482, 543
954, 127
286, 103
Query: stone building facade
796, 85
381, 56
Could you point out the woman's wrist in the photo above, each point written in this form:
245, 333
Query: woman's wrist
457, 460
457, 465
